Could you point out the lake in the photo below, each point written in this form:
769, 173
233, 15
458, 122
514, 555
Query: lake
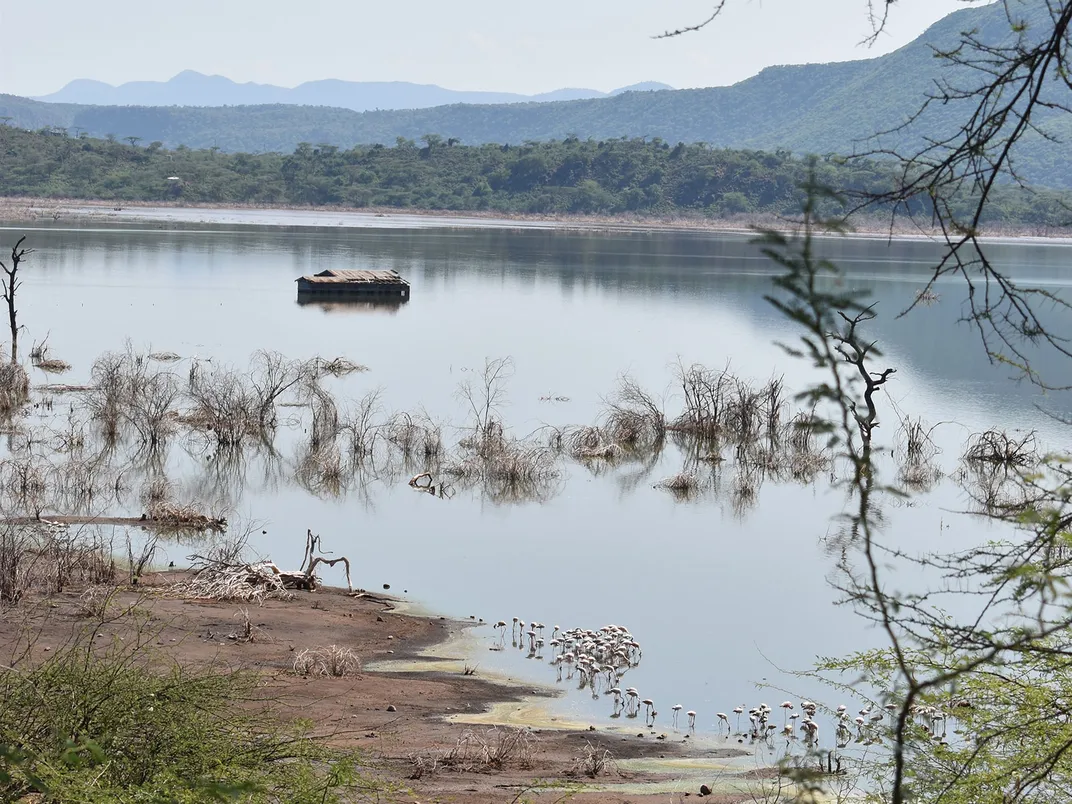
719, 595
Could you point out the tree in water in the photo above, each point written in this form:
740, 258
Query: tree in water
11, 283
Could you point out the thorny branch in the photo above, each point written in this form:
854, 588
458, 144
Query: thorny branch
1020, 585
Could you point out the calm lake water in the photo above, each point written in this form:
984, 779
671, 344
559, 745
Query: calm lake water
719, 600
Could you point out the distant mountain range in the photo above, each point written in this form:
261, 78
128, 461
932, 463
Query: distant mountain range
811, 108
190, 88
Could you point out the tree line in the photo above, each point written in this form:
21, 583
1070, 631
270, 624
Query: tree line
570, 176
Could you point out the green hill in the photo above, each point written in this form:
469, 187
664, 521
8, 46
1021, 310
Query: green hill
816, 108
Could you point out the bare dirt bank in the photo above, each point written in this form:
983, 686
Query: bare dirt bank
58, 211
404, 721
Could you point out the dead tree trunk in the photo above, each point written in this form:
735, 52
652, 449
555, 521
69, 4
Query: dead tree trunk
11, 284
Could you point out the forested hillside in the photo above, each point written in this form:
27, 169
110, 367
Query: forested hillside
819, 108
568, 176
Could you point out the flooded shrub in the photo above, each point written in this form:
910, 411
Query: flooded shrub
719, 405
361, 427
587, 443
631, 418
414, 436
321, 471
683, 483
14, 388
915, 452
999, 447
337, 367
225, 405
324, 425
41, 358
707, 396
272, 376
128, 391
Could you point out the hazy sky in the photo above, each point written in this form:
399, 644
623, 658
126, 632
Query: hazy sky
504, 45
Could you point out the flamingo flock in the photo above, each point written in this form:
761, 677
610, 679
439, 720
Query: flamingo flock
600, 659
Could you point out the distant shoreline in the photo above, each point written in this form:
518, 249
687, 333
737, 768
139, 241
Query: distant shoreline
54, 211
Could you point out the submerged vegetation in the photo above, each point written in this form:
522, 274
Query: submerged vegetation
612, 176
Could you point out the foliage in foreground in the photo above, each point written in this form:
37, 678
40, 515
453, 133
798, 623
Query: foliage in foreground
94, 723
613, 176
972, 692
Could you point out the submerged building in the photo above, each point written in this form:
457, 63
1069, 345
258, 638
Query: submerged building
359, 285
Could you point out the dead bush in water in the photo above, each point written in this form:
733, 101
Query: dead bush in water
361, 428
508, 469
801, 432
225, 405
744, 489
631, 418
272, 376
27, 482
161, 508
719, 405
337, 367
484, 393
683, 484
586, 443
707, 396
324, 424
321, 471
774, 406
42, 359
915, 452
999, 447
415, 437
14, 388
127, 390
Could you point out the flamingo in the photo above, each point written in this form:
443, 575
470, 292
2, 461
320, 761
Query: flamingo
722, 718
649, 704
785, 707
677, 711
737, 710
692, 719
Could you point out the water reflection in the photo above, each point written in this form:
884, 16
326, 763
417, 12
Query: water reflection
713, 572
350, 306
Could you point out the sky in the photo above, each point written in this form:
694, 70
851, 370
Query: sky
496, 45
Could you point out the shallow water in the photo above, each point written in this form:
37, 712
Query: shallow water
719, 600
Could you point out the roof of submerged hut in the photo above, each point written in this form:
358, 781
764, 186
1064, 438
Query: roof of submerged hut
336, 275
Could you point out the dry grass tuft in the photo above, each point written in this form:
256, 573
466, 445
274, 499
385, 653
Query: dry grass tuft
593, 761
481, 752
683, 483
331, 661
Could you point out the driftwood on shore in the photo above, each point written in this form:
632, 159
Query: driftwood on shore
222, 578
158, 521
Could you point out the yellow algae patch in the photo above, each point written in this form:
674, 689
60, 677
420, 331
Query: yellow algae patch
529, 712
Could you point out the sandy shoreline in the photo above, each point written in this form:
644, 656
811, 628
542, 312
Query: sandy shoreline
411, 699
54, 212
